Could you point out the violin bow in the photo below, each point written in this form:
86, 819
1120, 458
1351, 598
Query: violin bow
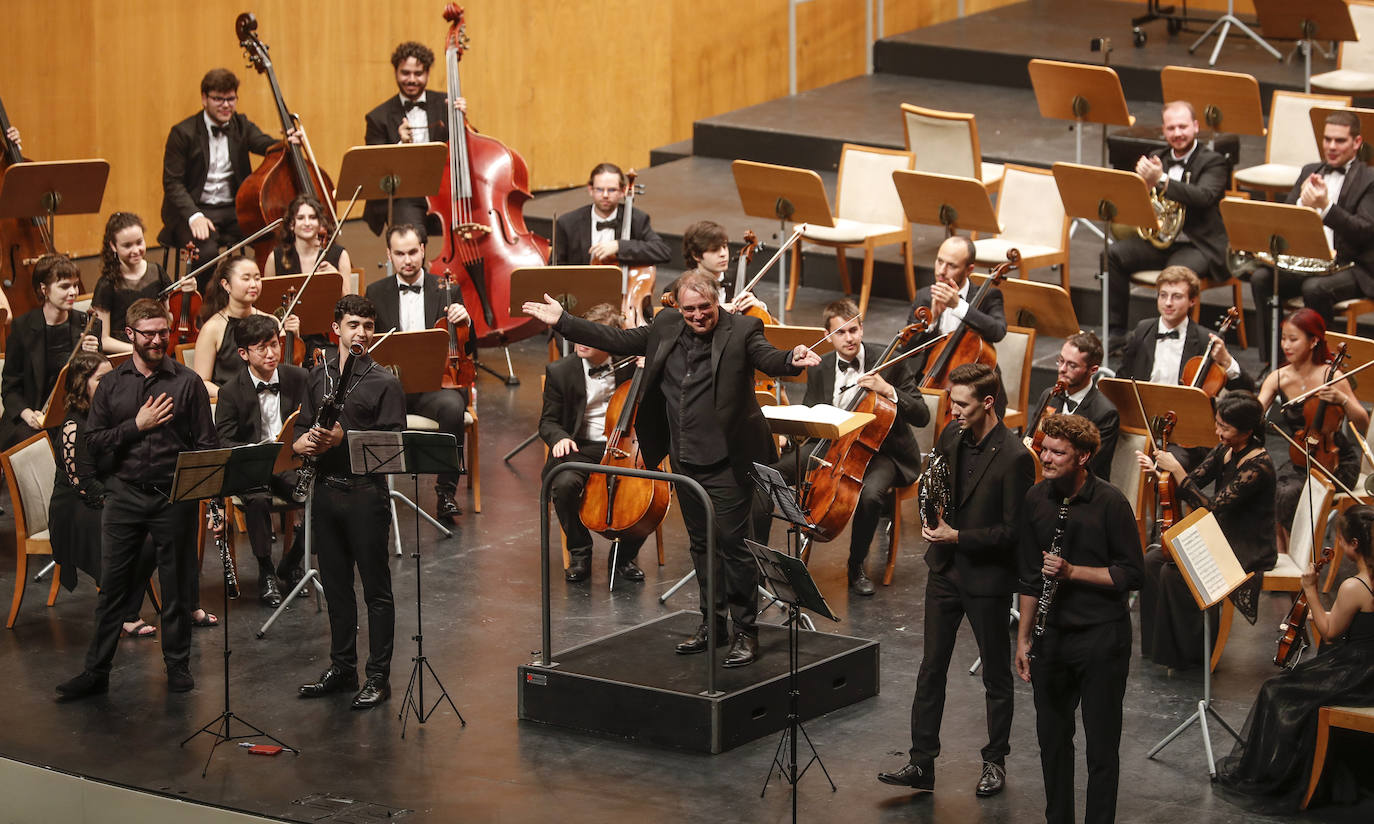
791, 241
923, 347
1364, 445
378, 341
181, 281
833, 331
338, 229
1334, 380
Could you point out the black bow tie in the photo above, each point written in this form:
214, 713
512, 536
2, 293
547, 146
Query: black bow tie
598, 371
1327, 168
1069, 406
1172, 334
274, 388
407, 105
217, 131
847, 365
602, 225
414, 288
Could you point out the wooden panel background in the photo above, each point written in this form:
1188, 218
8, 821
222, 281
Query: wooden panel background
568, 83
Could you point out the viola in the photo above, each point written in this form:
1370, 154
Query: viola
1202, 371
288, 170
24, 240
617, 506
1167, 489
480, 206
292, 347
636, 282
1293, 629
1037, 434
184, 305
1321, 420
965, 345
460, 372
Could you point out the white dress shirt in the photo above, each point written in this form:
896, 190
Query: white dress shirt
1075, 400
412, 306
269, 406
846, 381
603, 235
1335, 179
418, 120
1169, 356
219, 172
599, 391
951, 317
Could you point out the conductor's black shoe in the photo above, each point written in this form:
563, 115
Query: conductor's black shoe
330, 681
630, 571
860, 584
915, 776
579, 569
743, 651
268, 591
375, 690
697, 643
179, 678
445, 508
993, 779
83, 686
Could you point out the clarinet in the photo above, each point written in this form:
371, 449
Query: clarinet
327, 415
1051, 585
214, 508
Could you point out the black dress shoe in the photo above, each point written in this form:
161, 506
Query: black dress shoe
579, 569
375, 690
630, 571
330, 681
268, 591
179, 678
860, 584
446, 509
292, 578
993, 779
743, 651
697, 643
917, 777
83, 686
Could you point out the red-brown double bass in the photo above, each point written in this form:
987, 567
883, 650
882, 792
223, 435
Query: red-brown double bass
480, 205
24, 240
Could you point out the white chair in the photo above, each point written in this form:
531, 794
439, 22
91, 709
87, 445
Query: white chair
1127, 476
1354, 72
1014, 355
420, 423
1290, 144
30, 470
947, 143
1033, 221
868, 214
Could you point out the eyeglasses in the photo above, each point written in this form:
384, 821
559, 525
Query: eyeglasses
1059, 361
153, 334
612, 190
222, 101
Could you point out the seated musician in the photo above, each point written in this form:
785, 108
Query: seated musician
1243, 503
593, 231
252, 408
1079, 359
1302, 339
412, 116
1159, 348
706, 248
412, 301
1193, 176
305, 228
126, 275
39, 344
229, 301
577, 389
1342, 189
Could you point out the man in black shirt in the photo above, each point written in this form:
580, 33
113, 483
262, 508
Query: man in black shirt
144, 414
349, 516
1084, 653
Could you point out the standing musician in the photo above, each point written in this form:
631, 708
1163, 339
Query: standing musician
577, 389
698, 408
126, 275
40, 342
593, 231
410, 302
1085, 652
229, 302
1243, 503
972, 560
1342, 189
349, 513
1079, 359
413, 116
303, 234
1187, 174
144, 414
252, 408
203, 165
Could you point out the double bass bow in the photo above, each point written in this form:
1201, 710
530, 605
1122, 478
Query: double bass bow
965, 345
636, 281
24, 240
480, 205
618, 506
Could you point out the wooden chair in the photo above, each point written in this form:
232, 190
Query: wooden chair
1014, 355
947, 143
30, 468
1033, 221
186, 354
1360, 719
937, 401
1290, 143
1354, 74
1351, 310
868, 214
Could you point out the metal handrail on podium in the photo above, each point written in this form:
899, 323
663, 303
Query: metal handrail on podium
682, 482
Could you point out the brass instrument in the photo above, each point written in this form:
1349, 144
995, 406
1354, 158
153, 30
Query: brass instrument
1051, 585
1240, 263
1170, 214
936, 494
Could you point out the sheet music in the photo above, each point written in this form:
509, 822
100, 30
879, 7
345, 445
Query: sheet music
1205, 557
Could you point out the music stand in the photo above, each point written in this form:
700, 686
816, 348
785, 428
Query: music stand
788, 338
1225, 22
43, 188
1196, 421
1108, 195
1366, 117
1046, 306
1275, 229
786, 194
417, 359
1083, 94
945, 200
1226, 100
219, 473
393, 170
1306, 22
316, 315
410, 453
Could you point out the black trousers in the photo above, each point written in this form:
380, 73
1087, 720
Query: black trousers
225, 233
567, 503
1319, 292
737, 575
131, 517
447, 407
1087, 666
946, 606
1170, 621
1126, 257
349, 528
257, 517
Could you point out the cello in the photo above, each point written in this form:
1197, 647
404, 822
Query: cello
1321, 421
1202, 371
618, 506
24, 240
636, 282
288, 169
965, 346
480, 206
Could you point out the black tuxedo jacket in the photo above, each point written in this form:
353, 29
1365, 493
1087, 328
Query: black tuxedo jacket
900, 444
1102, 412
989, 321
573, 237
384, 126
186, 162
565, 398
26, 360
1351, 219
1138, 360
238, 418
738, 348
986, 515
1208, 175
385, 294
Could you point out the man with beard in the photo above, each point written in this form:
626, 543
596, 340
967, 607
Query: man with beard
593, 231
144, 414
1079, 359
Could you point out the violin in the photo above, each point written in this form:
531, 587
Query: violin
24, 240
1166, 490
1293, 629
636, 282
1037, 434
185, 306
460, 371
1321, 420
288, 170
1202, 371
617, 506
480, 206
964, 345
292, 347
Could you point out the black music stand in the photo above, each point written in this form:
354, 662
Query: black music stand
413, 454
219, 473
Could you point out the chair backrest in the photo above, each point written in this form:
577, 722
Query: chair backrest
865, 191
1014, 355
1029, 207
937, 401
83, 303
1126, 472
943, 142
1291, 139
1315, 502
1359, 55
186, 354
30, 469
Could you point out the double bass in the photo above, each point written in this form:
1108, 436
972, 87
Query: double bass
24, 240
636, 282
617, 506
480, 206
964, 345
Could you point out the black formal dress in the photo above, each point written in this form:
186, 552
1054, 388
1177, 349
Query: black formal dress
1101, 412
384, 127
34, 356
1292, 478
116, 300
573, 237
989, 320
228, 364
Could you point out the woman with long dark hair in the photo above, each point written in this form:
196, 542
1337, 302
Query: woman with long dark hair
233, 290
126, 275
303, 234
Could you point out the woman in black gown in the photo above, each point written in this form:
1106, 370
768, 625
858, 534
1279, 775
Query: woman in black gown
1274, 757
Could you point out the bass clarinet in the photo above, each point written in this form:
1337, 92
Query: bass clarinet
325, 418
1051, 585
214, 510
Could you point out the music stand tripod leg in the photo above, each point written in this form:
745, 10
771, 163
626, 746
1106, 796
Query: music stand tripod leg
311, 576
509, 379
